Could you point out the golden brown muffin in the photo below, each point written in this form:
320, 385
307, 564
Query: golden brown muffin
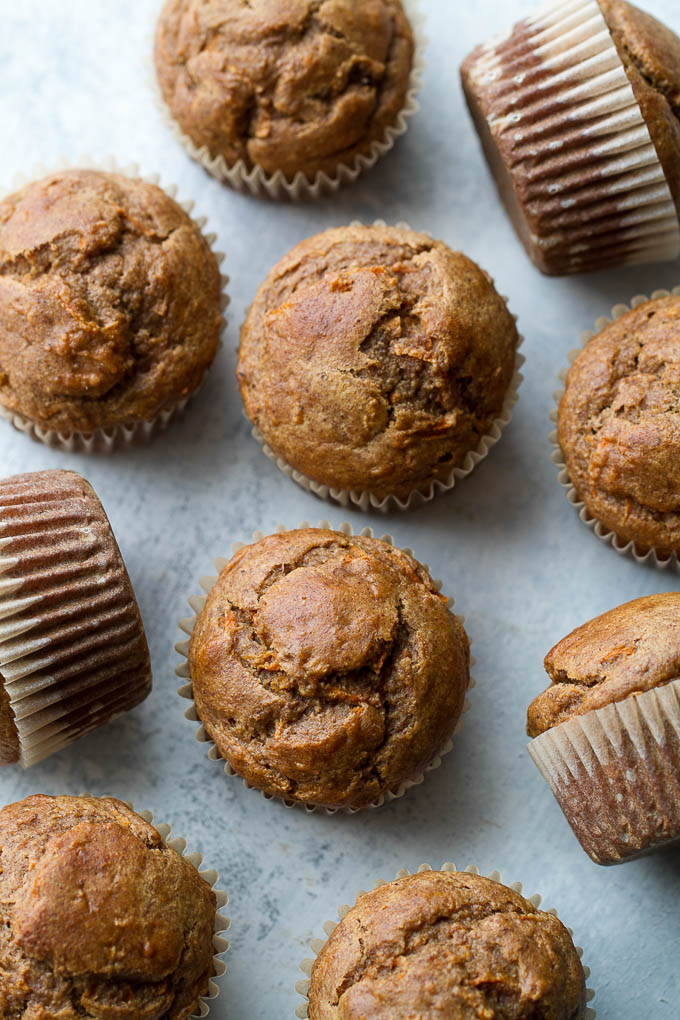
73, 653
327, 668
100, 918
619, 426
447, 946
375, 359
624, 652
299, 86
109, 302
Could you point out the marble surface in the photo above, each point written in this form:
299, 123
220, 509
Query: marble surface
522, 568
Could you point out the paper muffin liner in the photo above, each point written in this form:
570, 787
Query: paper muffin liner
106, 440
276, 186
187, 625
615, 772
316, 945
209, 875
622, 546
557, 96
73, 653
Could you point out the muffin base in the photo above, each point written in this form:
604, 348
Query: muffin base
187, 625
316, 945
625, 547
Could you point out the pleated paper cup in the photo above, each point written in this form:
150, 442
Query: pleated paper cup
277, 186
187, 625
622, 546
566, 139
120, 436
615, 772
209, 875
73, 653
316, 945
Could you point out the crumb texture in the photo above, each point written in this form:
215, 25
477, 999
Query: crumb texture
327, 669
447, 946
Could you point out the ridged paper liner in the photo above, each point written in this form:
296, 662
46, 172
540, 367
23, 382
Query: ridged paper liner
424, 491
276, 185
623, 547
119, 436
73, 654
615, 772
209, 875
316, 945
560, 98
186, 690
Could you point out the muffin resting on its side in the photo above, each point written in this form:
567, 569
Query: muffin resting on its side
327, 668
99, 917
375, 359
299, 86
109, 302
619, 426
447, 944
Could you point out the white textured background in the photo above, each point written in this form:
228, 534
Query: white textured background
524, 570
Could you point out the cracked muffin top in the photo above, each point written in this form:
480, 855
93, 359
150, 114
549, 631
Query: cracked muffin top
447, 944
629, 650
99, 917
289, 85
327, 668
375, 359
109, 302
619, 425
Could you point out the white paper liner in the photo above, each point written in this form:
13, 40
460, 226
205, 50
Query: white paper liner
209, 875
107, 440
316, 945
615, 772
276, 186
623, 547
187, 625
609, 202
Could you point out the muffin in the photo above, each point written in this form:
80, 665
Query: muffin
100, 918
607, 731
375, 360
578, 111
290, 90
447, 943
73, 654
110, 303
327, 668
619, 426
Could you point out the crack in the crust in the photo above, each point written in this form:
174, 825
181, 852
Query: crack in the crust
657, 86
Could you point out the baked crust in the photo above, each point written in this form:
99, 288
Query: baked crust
374, 358
287, 85
109, 302
327, 668
447, 944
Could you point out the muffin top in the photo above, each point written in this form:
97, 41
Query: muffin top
99, 917
626, 651
289, 85
650, 54
447, 944
109, 301
375, 359
619, 425
327, 669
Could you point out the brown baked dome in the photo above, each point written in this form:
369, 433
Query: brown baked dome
100, 918
629, 650
327, 668
619, 425
109, 302
447, 944
375, 359
299, 86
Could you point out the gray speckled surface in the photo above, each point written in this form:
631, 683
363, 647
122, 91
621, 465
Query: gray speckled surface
524, 570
